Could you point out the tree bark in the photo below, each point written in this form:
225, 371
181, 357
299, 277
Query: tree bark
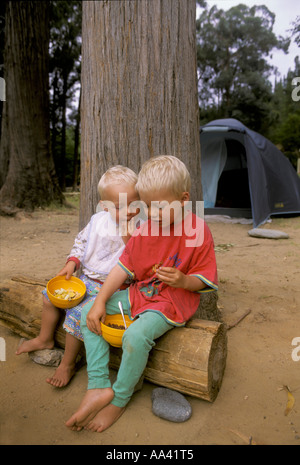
139, 89
190, 360
31, 179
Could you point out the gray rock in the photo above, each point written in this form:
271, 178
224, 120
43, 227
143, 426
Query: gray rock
268, 233
170, 405
48, 357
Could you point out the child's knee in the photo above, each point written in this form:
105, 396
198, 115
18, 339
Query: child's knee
135, 341
47, 304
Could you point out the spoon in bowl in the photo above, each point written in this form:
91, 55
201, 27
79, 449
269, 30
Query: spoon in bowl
122, 313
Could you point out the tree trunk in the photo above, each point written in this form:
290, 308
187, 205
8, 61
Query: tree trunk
139, 89
190, 360
31, 179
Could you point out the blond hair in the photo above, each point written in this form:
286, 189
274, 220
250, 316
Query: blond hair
164, 172
116, 175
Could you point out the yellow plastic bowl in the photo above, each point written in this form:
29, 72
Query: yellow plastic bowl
113, 335
61, 282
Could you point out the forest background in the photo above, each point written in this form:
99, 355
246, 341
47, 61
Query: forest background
233, 79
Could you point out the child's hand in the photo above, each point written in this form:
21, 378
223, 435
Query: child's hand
67, 270
175, 278
171, 276
96, 314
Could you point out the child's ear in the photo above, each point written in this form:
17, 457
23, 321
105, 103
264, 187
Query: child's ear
185, 197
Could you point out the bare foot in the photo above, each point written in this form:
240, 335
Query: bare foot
62, 375
105, 418
93, 401
34, 344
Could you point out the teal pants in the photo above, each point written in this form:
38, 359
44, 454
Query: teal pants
137, 342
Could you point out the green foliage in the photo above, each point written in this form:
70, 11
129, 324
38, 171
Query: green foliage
286, 128
289, 137
296, 30
69, 157
233, 48
65, 63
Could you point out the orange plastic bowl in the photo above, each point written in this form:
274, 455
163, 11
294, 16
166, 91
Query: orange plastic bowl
114, 335
60, 282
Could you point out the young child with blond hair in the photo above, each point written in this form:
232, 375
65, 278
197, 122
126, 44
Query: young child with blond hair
171, 265
96, 250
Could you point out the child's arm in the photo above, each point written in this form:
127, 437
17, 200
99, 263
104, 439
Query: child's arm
77, 252
175, 278
97, 313
68, 269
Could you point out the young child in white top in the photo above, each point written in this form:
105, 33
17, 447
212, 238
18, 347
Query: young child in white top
96, 249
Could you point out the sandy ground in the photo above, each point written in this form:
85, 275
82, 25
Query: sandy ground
262, 275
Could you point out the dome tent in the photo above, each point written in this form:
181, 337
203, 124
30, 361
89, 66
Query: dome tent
244, 174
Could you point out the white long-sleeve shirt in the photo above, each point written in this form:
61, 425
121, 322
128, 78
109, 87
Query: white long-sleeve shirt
98, 246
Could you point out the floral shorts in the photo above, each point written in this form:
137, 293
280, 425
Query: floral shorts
73, 315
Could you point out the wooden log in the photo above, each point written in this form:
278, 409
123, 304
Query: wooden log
190, 360
21, 307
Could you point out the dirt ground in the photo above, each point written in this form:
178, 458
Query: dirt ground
262, 275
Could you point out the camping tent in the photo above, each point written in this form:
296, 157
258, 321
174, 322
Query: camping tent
243, 172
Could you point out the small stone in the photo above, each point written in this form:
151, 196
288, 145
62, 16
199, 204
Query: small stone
170, 405
48, 357
268, 233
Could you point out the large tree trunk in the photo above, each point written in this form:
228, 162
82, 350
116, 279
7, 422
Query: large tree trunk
31, 179
139, 89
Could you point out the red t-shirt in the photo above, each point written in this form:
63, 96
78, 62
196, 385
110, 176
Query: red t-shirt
151, 247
